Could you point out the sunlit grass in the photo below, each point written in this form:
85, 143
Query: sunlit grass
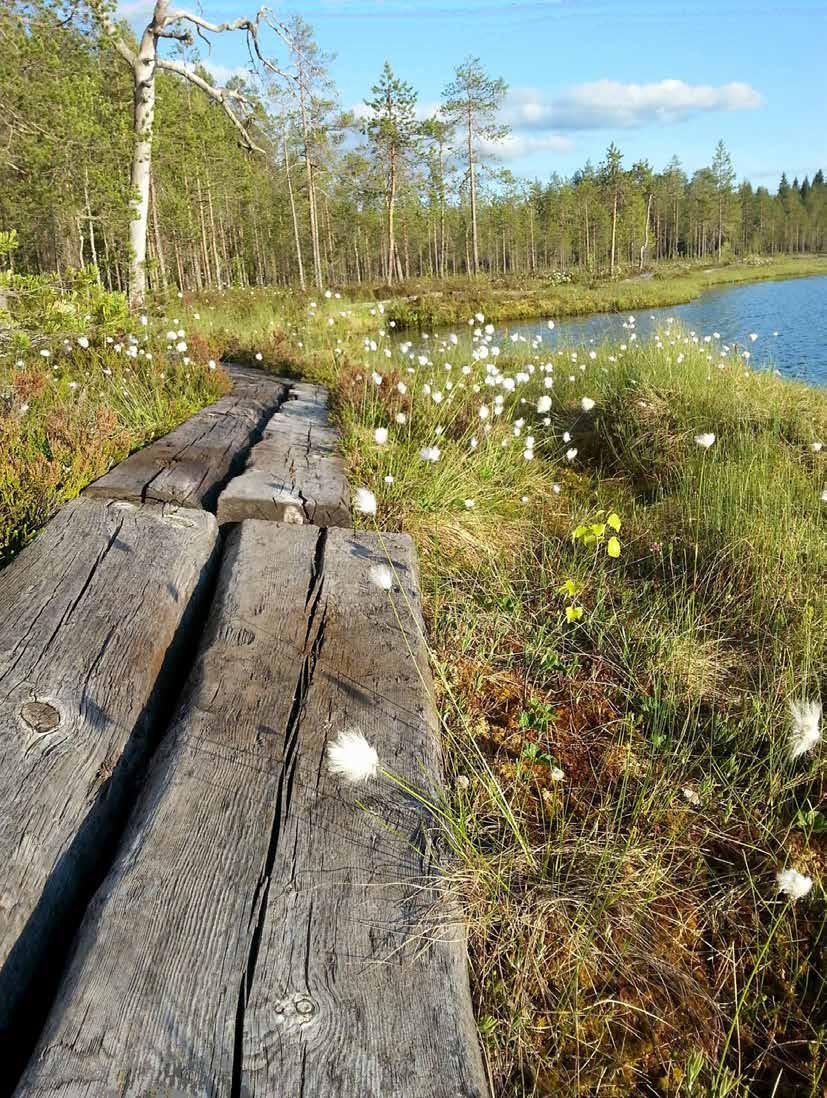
81, 385
625, 929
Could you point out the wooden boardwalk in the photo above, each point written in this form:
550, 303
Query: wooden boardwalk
190, 903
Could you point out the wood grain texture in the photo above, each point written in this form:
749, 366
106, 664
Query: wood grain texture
91, 618
191, 465
307, 411
262, 931
294, 475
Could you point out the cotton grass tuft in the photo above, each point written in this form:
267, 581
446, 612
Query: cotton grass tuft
352, 758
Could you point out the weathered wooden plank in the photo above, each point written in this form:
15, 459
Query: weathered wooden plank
315, 394
252, 375
308, 411
262, 933
91, 619
295, 475
190, 465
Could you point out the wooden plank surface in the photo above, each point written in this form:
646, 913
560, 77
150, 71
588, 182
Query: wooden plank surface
190, 465
294, 475
262, 932
307, 411
91, 617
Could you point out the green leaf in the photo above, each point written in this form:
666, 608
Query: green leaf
569, 588
599, 529
614, 521
613, 547
574, 613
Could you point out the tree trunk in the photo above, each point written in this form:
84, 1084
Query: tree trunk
296, 235
614, 233
156, 231
645, 244
473, 181
311, 188
143, 118
390, 242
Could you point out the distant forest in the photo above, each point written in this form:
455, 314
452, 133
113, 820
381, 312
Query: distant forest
325, 197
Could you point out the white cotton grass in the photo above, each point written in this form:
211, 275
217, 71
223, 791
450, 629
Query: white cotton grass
381, 576
586, 403
364, 501
793, 884
806, 731
705, 440
352, 758
380, 435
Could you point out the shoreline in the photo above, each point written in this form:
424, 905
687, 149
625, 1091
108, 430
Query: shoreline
440, 308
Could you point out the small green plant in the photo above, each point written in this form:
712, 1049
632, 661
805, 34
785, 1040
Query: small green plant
596, 534
571, 589
9, 242
537, 716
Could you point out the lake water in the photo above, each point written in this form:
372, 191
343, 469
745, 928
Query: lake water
795, 308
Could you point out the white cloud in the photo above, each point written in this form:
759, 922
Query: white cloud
361, 110
134, 9
608, 104
222, 73
518, 145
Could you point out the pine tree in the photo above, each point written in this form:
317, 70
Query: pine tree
471, 101
611, 173
724, 175
393, 131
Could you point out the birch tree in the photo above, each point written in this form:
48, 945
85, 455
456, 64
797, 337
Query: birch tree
144, 63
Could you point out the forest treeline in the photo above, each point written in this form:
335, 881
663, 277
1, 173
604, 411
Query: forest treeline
329, 197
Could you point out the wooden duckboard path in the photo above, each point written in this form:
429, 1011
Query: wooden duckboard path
295, 474
92, 615
267, 929
221, 916
191, 465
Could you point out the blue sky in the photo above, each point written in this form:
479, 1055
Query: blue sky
656, 76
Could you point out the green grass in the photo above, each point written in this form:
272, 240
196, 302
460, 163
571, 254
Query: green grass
626, 934
66, 418
621, 788
428, 305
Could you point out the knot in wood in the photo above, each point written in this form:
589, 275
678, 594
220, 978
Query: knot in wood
41, 717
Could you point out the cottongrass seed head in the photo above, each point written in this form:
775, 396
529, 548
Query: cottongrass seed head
705, 440
364, 501
352, 758
381, 576
793, 884
805, 732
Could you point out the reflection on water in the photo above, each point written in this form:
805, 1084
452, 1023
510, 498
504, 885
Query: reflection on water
789, 318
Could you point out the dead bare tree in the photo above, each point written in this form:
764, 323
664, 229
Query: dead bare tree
144, 64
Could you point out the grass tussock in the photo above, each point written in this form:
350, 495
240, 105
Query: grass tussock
619, 620
81, 385
617, 723
425, 305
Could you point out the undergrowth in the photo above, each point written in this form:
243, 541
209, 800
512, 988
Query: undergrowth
616, 714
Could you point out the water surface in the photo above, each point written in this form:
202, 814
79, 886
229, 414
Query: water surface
794, 308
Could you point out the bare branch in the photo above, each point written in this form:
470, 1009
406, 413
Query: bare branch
113, 33
181, 36
223, 96
250, 28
